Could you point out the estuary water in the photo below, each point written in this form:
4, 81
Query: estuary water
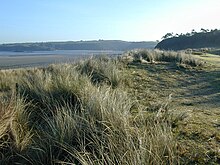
61, 52
44, 58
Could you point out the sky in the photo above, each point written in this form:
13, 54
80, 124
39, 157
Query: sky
129, 20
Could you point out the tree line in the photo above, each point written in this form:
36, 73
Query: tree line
193, 40
188, 34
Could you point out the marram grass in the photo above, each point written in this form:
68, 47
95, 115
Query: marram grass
78, 114
156, 56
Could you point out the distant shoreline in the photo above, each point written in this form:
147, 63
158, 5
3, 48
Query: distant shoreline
96, 45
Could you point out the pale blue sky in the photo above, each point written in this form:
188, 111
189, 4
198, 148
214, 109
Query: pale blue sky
130, 20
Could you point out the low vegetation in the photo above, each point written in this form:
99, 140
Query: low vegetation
155, 56
98, 111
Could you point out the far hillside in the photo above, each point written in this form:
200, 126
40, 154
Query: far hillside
116, 45
194, 40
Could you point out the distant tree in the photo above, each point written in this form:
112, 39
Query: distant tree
214, 30
193, 32
176, 35
168, 35
204, 30
181, 35
188, 34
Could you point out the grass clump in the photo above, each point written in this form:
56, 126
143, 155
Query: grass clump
102, 70
15, 133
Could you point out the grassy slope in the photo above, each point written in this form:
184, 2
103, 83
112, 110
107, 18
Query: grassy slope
78, 114
195, 103
195, 96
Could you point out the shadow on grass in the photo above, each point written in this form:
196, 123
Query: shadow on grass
199, 86
206, 85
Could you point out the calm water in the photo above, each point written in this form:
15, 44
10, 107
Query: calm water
61, 52
44, 58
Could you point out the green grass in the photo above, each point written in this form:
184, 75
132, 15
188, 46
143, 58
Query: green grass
112, 111
195, 104
212, 59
